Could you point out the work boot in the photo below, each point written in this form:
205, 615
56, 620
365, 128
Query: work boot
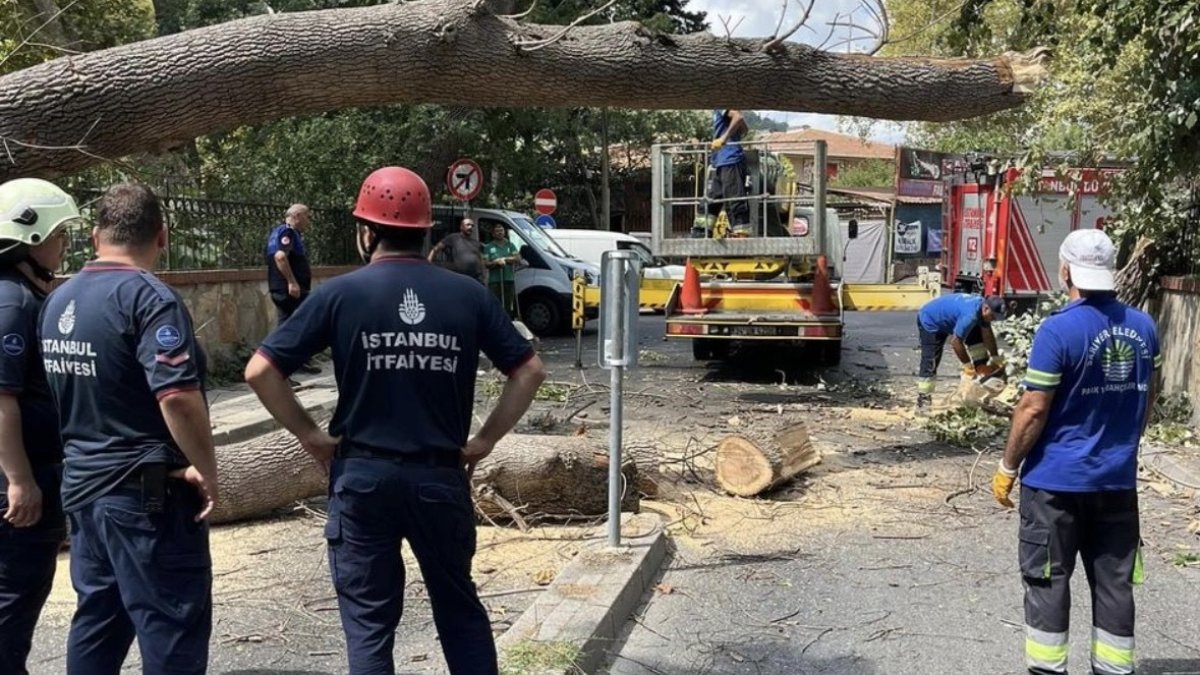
924, 403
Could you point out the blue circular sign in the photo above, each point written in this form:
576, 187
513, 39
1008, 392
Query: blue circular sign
545, 222
14, 344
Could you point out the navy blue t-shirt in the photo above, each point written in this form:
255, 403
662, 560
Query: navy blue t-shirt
285, 238
21, 372
116, 340
406, 337
731, 153
953, 314
1098, 356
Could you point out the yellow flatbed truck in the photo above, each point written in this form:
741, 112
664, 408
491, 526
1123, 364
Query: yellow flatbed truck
782, 283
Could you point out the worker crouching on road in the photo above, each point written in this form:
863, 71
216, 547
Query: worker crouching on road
33, 216
406, 337
1089, 391
965, 320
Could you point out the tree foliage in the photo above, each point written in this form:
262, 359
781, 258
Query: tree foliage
46, 29
1125, 84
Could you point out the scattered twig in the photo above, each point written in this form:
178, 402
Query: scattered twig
534, 45
516, 591
778, 39
37, 30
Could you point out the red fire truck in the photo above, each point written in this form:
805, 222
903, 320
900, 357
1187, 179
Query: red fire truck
999, 243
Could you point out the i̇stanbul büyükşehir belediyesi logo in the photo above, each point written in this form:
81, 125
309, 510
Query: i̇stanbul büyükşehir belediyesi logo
66, 320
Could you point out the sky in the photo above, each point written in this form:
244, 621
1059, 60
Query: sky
758, 18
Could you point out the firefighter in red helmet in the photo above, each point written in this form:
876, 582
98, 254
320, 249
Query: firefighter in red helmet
405, 337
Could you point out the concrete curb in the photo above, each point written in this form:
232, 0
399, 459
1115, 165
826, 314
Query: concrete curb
590, 600
243, 418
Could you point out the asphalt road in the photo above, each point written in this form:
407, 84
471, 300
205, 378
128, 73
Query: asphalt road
926, 587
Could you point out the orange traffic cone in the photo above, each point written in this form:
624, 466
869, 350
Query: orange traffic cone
689, 297
822, 293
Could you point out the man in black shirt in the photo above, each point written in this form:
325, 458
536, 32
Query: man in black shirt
464, 251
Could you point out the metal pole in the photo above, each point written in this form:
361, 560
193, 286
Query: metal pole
615, 310
614, 458
820, 179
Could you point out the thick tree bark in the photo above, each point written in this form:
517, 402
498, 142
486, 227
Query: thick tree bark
72, 112
1136, 280
751, 463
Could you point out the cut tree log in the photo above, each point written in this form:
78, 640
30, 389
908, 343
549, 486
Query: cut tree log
752, 463
76, 111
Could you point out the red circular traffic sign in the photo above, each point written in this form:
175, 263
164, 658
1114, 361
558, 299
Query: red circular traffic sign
464, 179
544, 202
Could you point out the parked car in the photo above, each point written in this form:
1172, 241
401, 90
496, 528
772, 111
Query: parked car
590, 245
544, 282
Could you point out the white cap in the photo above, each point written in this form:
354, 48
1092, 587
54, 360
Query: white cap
1092, 258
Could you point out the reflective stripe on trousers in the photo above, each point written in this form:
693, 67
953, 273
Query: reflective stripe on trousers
1111, 654
925, 385
1045, 652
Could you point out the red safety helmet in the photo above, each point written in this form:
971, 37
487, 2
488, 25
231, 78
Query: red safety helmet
394, 197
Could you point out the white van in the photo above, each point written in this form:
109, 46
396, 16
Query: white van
589, 245
544, 283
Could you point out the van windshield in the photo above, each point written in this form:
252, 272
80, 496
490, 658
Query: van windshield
538, 238
640, 250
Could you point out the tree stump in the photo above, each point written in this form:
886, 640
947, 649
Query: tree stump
750, 463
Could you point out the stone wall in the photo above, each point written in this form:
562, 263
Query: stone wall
232, 308
1177, 311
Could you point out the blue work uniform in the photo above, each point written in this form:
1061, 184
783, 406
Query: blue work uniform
27, 554
115, 341
728, 179
956, 314
1079, 483
284, 237
405, 337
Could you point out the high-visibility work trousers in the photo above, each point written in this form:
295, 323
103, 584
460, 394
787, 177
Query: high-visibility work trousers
1103, 529
932, 345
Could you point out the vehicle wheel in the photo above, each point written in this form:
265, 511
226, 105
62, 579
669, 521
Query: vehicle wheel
830, 352
708, 349
541, 314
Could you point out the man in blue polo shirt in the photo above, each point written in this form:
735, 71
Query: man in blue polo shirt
727, 180
1074, 438
140, 474
966, 321
406, 337
33, 216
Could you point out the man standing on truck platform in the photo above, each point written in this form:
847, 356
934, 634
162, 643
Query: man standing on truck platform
727, 181
1089, 390
406, 337
965, 320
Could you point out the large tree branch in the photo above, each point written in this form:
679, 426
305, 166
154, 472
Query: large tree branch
159, 93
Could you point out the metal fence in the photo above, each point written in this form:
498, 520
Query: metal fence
205, 234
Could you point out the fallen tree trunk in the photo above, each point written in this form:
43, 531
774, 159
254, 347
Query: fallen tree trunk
76, 111
751, 463
265, 473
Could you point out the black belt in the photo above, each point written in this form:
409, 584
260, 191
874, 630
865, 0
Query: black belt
447, 458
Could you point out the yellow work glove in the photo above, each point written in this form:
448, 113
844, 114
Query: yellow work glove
1002, 484
717, 144
968, 370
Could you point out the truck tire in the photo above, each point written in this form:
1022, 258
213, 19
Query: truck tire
829, 352
542, 313
708, 349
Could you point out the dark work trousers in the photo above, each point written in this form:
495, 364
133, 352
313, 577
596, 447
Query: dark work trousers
506, 293
729, 182
932, 345
143, 574
1103, 529
28, 556
374, 504
286, 305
